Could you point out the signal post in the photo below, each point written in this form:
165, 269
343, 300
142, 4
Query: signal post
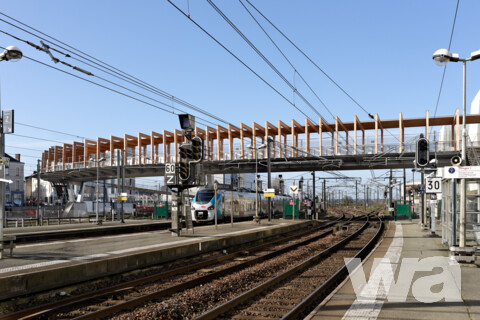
185, 174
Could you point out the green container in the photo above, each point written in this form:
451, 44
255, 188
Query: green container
161, 210
403, 211
288, 208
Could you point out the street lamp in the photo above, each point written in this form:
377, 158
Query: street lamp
263, 146
442, 57
13, 54
98, 167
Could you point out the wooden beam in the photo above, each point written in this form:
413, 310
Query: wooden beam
427, 122
143, 140
320, 136
457, 116
233, 132
168, 137
271, 131
309, 127
283, 130
401, 133
155, 140
355, 134
177, 141
377, 125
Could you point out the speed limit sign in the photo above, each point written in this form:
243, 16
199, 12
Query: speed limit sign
170, 174
433, 185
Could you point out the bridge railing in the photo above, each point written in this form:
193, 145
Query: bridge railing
327, 150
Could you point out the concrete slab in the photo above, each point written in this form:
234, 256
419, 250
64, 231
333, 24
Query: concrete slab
41, 266
79, 230
404, 240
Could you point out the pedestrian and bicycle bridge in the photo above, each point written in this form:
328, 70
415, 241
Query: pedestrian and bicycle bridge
356, 145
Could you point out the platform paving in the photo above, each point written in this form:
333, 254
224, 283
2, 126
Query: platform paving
78, 226
404, 239
46, 265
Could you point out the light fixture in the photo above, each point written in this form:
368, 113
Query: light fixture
444, 56
12, 54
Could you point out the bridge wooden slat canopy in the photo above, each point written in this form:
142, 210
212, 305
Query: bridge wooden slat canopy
245, 132
257, 130
138, 148
155, 140
233, 132
271, 131
67, 154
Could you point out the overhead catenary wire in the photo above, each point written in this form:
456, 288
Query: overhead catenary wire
103, 86
112, 71
318, 67
445, 67
267, 61
35, 138
313, 62
288, 60
50, 130
130, 90
31, 149
238, 59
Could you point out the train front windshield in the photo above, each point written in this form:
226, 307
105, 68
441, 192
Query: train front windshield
204, 196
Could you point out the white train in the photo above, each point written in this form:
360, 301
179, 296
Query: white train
242, 203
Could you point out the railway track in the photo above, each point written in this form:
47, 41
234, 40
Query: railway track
120, 297
295, 292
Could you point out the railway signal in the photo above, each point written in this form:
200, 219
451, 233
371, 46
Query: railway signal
422, 155
197, 149
184, 164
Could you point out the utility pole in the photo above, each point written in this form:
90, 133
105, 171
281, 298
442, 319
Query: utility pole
368, 190
422, 178
38, 193
390, 186
356, 193
404, 186
269, 179
117, 188
123, 183
324, 196
314, 213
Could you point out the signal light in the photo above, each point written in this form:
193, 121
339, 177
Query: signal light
185, 152
422, 155
197, 149
183, 171
300, 184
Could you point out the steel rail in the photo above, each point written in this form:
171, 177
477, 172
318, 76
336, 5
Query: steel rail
192, 283
50, 308
229, 305
320, 291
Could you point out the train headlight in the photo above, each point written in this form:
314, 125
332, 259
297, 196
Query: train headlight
211, 207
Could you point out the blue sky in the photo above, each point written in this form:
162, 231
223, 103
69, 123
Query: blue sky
380, 52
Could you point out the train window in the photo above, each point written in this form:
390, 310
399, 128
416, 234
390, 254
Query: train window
205, 196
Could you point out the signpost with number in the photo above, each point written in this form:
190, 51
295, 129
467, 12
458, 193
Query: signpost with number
294, 191
170, 174
433, 185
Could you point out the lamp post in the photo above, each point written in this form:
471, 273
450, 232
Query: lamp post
256, 178
13, 54
96, 206
442, 57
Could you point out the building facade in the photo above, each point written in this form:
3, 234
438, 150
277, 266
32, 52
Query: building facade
15, 191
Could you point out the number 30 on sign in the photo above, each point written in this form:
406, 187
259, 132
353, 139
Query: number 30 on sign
433, 185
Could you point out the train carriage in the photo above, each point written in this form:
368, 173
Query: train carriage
242, 204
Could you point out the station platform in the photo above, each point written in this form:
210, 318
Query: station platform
405, 239
85, 229
43, 266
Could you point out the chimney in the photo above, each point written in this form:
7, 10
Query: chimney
17, 157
